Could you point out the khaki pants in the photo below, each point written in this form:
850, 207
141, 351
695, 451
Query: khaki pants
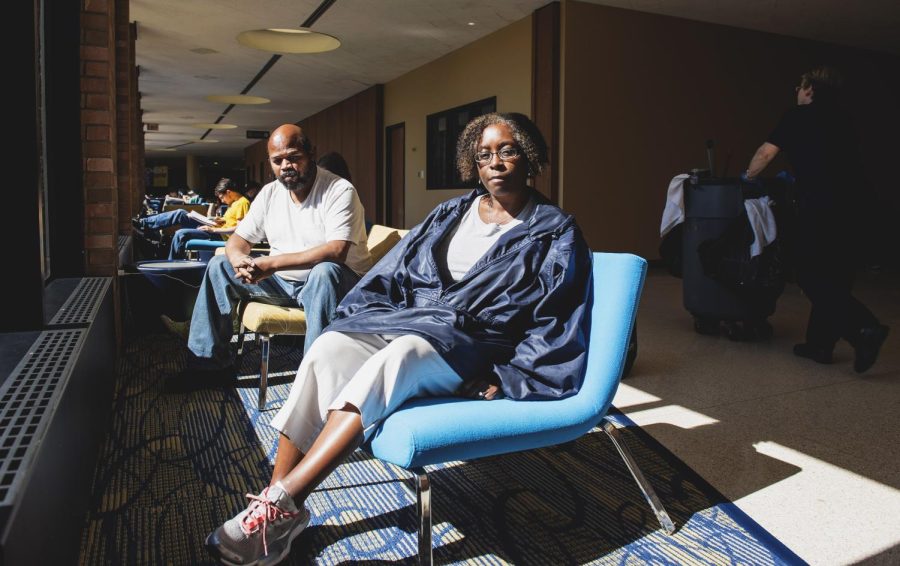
374, 373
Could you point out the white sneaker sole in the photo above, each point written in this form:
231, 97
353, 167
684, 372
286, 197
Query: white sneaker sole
271, 559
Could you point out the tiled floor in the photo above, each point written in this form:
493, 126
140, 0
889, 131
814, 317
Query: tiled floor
811, 452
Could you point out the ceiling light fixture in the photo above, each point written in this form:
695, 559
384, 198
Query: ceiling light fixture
204, 141
237, 99
288, 40
214, 126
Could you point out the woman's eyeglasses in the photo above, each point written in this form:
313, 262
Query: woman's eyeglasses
505, 154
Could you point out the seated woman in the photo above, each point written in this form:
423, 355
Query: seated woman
488, 296
226, 191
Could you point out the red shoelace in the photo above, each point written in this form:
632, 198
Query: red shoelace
261, 514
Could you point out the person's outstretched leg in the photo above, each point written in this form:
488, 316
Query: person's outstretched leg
165, 219
323, 373
264, 530
327, 284
180, 240
406, 367
342, 434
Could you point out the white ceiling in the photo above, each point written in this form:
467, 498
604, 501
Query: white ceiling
186, 49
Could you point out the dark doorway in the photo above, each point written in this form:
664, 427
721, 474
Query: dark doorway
396, 174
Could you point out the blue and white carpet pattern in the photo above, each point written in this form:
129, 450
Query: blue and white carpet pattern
174, 467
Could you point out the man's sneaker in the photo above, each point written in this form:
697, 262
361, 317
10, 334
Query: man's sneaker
814, 353
191, 379
180, 329
262, 533
868, 345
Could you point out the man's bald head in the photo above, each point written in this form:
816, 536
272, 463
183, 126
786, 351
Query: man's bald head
289, 136
291, 157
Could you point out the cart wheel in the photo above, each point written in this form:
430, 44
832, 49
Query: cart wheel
737, 332
706, 325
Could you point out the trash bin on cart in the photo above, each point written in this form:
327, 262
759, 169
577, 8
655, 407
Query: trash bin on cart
737, 293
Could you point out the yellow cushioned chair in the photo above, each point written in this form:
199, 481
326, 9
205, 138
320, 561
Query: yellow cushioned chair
267, 321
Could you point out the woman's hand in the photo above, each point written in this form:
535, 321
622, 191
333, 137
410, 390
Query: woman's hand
486, 389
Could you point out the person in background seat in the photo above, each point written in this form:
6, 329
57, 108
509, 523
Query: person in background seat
251, 189
227, 192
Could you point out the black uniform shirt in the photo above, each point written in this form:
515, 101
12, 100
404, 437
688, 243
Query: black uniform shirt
822, 149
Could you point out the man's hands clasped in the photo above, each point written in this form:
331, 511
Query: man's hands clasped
252, 270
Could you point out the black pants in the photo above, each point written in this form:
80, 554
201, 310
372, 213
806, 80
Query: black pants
823, 258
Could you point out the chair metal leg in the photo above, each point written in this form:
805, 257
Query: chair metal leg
263, 369
240, 342
242, 330
423, 505
615, 436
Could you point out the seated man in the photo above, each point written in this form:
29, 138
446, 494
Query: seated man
238, 205
314, 223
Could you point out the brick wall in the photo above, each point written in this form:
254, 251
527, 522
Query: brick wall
99, 136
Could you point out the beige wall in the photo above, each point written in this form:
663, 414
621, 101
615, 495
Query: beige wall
642, 94
497, 65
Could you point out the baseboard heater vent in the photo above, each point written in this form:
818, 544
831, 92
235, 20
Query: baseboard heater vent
82, 304
28, 400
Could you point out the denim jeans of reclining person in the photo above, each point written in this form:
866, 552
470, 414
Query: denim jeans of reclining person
220, 291
183, 236
177, 217
189, 229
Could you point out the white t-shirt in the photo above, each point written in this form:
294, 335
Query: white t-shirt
473, 237
331, 211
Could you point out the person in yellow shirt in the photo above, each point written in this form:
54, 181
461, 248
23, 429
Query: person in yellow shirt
228, 192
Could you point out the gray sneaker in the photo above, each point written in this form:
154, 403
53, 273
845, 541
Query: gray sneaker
262, 533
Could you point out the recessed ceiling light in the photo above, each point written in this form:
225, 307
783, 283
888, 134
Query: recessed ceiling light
162, 149
288, 40
214, 126
237, 99
471, 24
203, 50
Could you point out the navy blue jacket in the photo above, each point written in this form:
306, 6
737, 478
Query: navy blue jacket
521, 312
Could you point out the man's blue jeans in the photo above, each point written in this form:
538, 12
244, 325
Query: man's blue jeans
220, 291
177, 217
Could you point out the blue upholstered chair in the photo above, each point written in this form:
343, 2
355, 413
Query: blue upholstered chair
436, 430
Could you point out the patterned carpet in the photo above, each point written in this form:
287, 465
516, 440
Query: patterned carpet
175, 466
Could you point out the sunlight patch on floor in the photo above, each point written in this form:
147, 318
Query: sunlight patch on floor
628, 396
674, 415
822, 498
